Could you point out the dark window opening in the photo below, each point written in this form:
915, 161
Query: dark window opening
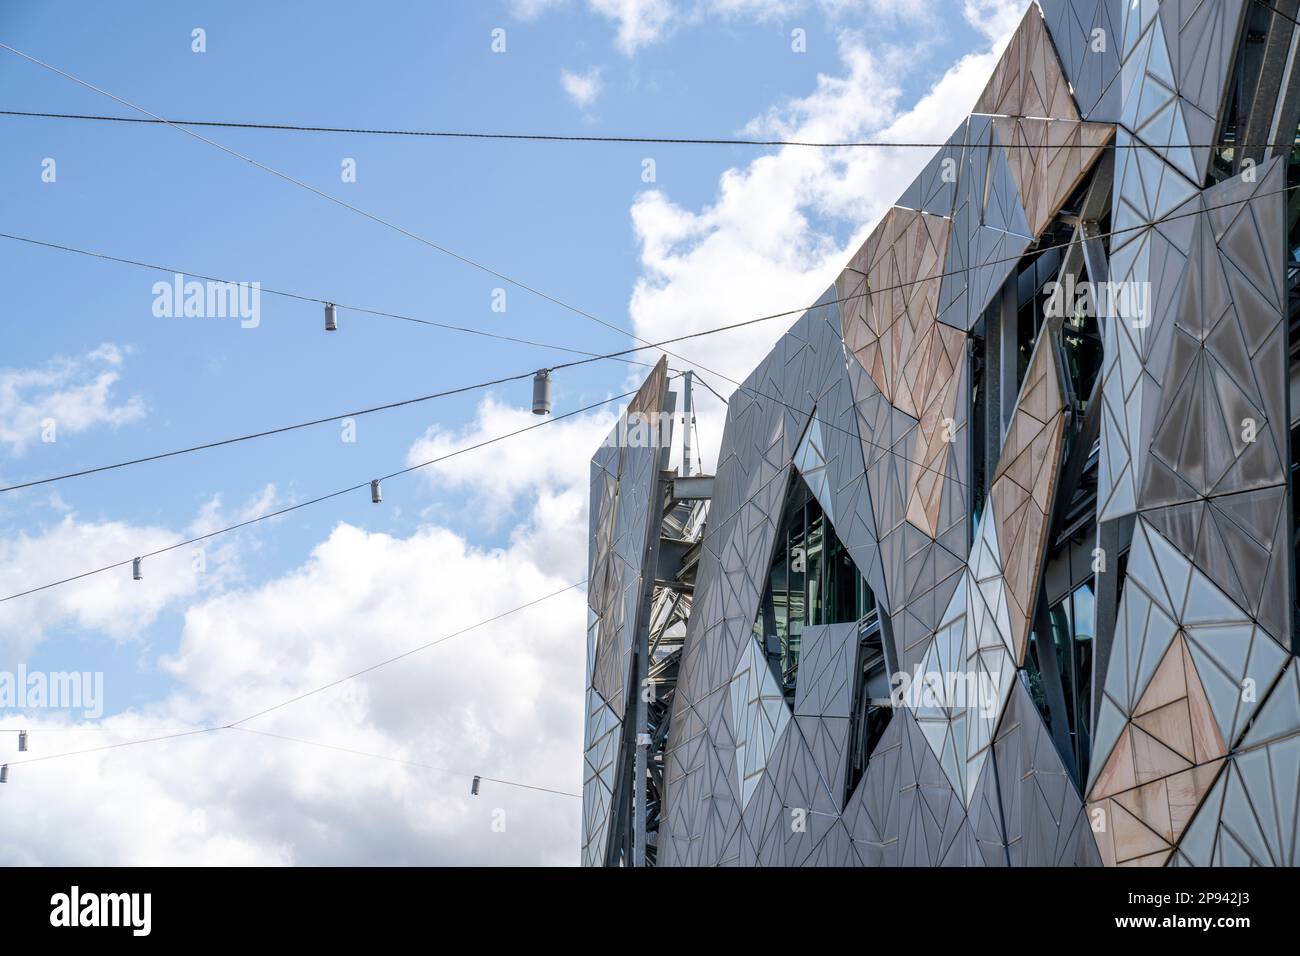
1226, 157
1293, 348
812, 581
871, 705
1034, 273
1059, 675
1295, 534
979, 402
1081, 340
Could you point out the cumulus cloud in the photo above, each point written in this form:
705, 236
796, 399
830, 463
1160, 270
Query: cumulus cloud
74, 393
532, 9
642, 23
110, 603
503, 700
583, 88
780, 228
638, 22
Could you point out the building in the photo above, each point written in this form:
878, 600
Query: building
1033, 451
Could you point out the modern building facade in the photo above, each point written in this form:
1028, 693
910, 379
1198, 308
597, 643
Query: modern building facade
998, 563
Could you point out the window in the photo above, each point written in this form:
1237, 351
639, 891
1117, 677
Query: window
1059, 673
871, 707
812, 580
1081, 344
979, 410
1033, 275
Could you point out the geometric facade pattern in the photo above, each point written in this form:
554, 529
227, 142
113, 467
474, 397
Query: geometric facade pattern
759, 714
624, 472
1185, 749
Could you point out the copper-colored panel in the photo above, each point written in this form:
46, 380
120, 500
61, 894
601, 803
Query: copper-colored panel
1118, 774
1206, 736
1172, 726
1150, 804
1028, 80
1166, 759
1133, 838
1024, 485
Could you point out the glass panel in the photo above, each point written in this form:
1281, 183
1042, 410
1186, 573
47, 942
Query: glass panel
813, 580
1081, 336
1062, 627
1071, 622
872, 713
1084, 616
816, 570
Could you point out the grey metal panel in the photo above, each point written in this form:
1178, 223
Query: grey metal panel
1045, 819
624, 509
989, 228
825, 686
1201, 38
1208, 573
1086, 34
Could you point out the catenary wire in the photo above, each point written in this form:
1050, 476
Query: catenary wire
565, 137
475, 264
397, 657
235, 725
671, 341
538, 292
165, 734
409, 763
312, 501
380, 313
634, 139
319, 192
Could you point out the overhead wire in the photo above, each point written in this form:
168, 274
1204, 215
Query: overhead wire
867, 290
237, 724
560, 137
437, 246
311, 501
380, 313
505, 278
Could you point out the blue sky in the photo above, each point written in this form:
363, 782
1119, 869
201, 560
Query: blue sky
723, 234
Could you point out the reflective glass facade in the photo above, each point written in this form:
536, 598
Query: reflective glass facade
812, 581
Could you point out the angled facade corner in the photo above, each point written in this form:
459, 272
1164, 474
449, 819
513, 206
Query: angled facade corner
999, 563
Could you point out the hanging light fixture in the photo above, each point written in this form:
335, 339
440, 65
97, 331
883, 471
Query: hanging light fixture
542, 392
375, 495
473, 787
22, 741
331, 318
135, 569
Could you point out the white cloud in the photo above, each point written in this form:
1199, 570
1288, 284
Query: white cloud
110, 603
583, 88
503, 700
781, 227
642, 23
639, 22
532, 9
74, 393
996, 19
